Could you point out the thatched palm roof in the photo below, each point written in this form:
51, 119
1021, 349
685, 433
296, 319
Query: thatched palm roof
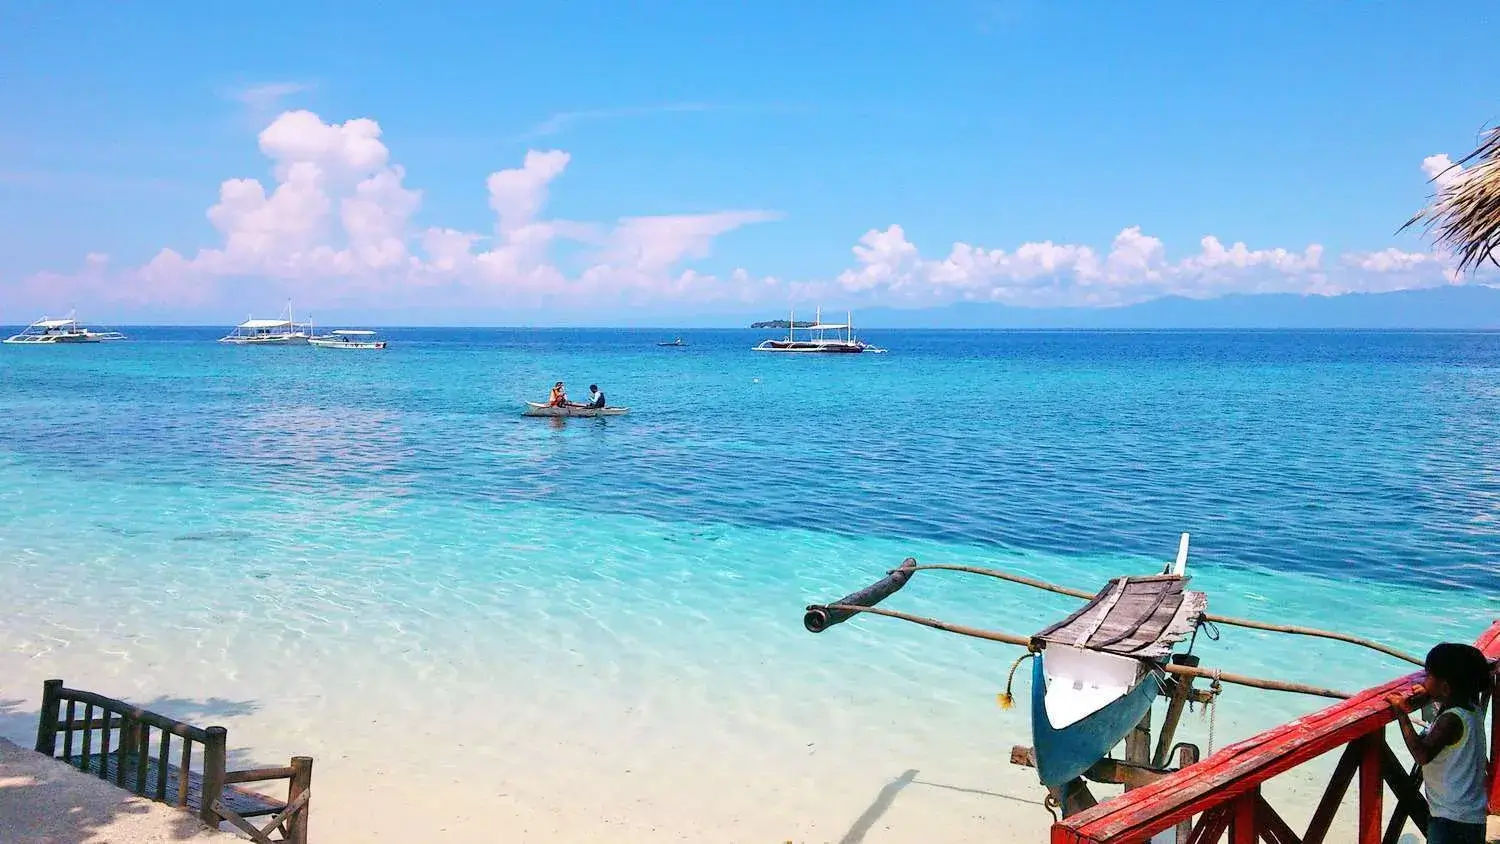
1464, 216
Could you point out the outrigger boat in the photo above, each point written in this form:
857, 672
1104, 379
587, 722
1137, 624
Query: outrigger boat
818, 341
348, 338
1098, 672
539, 409
270, 332
45, 332
675, 343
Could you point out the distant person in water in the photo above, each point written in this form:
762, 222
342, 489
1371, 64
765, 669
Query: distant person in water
596, 398
559, 397
1451, 750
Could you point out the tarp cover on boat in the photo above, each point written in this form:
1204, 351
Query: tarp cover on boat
1141, 617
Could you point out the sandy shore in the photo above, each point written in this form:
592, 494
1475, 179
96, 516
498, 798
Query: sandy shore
43, 801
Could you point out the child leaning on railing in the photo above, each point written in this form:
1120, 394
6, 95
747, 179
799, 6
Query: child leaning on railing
1451, 750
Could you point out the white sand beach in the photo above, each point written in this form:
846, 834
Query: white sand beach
43, 801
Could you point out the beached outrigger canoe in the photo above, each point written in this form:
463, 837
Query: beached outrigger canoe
539, 409
1098, 672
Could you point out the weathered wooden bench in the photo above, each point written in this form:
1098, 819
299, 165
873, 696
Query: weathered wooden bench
123, 754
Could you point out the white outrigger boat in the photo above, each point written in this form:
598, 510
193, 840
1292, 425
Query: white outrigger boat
538, 409
348, 338
270, 332
45, 332
818, 341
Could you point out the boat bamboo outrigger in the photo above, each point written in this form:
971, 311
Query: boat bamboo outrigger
1098, 672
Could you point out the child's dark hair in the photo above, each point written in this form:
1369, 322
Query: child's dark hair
1463, 667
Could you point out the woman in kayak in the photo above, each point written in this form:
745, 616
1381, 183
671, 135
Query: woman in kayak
559, 397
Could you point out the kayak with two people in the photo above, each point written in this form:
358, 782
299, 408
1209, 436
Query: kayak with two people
559, 405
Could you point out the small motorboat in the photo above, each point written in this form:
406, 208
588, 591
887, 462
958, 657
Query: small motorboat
539, 409
348, 338
676, 342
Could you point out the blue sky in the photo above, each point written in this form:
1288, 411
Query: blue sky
764, 141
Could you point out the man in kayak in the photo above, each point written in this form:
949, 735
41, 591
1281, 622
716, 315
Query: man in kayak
596, 398
559, 397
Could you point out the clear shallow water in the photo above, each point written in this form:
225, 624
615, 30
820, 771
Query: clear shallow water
196, 514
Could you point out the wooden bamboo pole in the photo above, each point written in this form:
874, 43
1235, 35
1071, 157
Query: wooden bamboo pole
1311, 631
1025, 642
1232, 621
1013, 578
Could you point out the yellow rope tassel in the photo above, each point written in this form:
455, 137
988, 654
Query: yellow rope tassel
1005, 698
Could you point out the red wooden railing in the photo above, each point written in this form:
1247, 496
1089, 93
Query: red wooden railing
1223, 791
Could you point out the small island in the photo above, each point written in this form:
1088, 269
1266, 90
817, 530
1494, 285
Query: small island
781, 323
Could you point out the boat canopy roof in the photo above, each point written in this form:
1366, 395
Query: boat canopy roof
824, 326
265, 323
351, 332
54, 323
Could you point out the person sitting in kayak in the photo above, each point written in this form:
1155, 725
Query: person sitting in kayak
559, 397
596, 398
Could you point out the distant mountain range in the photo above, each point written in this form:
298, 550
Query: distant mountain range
1451, 307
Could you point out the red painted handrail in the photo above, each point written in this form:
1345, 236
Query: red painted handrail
1240, 768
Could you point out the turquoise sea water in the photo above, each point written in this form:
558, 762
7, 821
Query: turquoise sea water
391, 516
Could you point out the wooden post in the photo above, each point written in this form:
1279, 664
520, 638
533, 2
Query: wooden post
1495, 749
1371, 788
213, 775
142, 753
1186, 755
296, 830
1181, 688
46, 727
1242, 826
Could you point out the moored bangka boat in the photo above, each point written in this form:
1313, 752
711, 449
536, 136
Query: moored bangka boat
1098, 672
47, 332
818, 340
539, 409
270, 332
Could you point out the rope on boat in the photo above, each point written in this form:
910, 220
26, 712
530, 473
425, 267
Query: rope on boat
1211, 708
1007, 700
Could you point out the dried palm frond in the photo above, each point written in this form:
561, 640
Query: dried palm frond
1464, 215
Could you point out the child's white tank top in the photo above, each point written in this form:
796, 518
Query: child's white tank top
1455, 777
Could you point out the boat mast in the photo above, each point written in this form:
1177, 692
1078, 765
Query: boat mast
791, 324
849, 327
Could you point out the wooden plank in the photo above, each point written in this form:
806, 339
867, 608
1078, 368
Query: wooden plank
109, 704
187, 765
213, 773
1371, 788
163, 759
88, 735
1242, 826
1272, 824
1333, 795
1407, 788
104, 752
125, 732
46, 725
68, 731
298, 795
1211, 826
258, 775
142, 750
